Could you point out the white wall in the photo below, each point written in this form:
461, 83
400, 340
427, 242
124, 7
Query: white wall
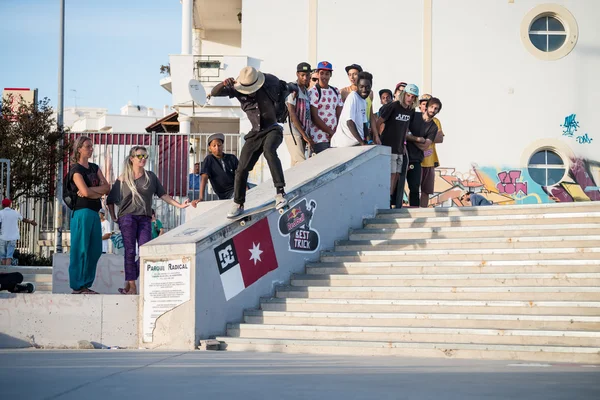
497, 97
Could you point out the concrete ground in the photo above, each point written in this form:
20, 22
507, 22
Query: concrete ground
113, 374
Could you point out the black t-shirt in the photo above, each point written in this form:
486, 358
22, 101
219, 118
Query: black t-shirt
91, 179
221, 173
418, 127
397, 120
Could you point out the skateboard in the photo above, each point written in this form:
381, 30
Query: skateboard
246, 216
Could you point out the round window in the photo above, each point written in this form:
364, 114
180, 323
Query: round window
547, 34
546, 168
549, 31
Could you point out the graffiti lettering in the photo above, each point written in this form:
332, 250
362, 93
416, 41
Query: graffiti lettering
585, 139
570, 125
508, 183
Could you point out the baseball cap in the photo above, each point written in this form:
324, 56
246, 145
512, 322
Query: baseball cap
214, 136
325, 65
400, 84
354, 66
303, 67
102, 211
425, 97
412, 89
6, 203
382, 91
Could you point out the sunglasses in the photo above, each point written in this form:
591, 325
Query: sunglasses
314, 79
141, 156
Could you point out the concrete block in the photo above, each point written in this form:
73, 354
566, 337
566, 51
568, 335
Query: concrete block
110, 274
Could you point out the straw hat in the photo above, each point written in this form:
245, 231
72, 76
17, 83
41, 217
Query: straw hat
249, 81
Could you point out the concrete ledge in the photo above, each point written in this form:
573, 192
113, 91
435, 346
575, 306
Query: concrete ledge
110, 274
60, 321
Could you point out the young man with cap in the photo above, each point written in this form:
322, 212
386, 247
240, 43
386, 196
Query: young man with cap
353, 71
9, 231
219, 168
298, 104
422, 133
386, 96
106, 232
432, 106
353, 120
394, 121
399, 88
257, 93
325, 108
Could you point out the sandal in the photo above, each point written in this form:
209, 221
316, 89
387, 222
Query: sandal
122, 291
88, 291
80, 291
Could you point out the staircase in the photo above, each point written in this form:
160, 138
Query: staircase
41, 277
517, 282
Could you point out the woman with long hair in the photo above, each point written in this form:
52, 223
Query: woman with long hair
86, 233
133, 192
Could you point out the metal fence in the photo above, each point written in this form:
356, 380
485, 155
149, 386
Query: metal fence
171, 157
4, 178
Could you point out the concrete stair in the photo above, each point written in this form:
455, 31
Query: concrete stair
41, 277
501, 282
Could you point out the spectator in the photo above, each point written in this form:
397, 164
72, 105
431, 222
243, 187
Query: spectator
394, 120
194, 183
474, 199
353, 119
257, 93
298, 104
9, 231
11, 281
133, 192
353, 71
386, 97
325, 108
157, 226
86, 232
106, 232
422, 134
314, 78
399, 88
430, 158
218, 168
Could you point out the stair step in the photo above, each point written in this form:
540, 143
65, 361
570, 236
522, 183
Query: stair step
26, 270
37, 278
584, 253
449, 267
520, 279
473, 243
415, 334
513, 231
485, 220
523, 293
423, 320
588, 355
496, 210
538, 307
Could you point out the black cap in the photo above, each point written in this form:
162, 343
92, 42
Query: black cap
388, 91
303, 67
354, 66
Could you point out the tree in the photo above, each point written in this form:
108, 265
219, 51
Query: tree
30, 140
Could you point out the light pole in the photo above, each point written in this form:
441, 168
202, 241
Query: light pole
58, 205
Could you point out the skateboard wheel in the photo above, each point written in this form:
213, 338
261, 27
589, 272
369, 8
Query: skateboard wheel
243, 223
281, 211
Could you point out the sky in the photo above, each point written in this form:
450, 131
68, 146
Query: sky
112, 47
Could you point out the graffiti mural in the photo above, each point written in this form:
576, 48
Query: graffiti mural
515, 185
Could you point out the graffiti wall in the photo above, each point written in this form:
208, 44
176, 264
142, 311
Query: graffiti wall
515, 185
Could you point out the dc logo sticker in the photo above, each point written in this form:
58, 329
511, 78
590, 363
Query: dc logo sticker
295, 223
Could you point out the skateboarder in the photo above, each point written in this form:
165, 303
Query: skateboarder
257, 93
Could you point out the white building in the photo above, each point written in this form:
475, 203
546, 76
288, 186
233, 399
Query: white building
133, 118
517, 78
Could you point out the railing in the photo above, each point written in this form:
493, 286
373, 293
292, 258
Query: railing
172, 159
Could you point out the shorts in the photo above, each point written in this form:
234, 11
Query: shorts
7, 248
397, 163
427, 180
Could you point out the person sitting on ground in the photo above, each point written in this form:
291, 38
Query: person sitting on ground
9, 231
353, 120
474, 199
12, 282
157, 226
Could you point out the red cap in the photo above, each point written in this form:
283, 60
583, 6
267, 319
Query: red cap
6, 203
400, 84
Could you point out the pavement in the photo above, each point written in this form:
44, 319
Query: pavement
144, 374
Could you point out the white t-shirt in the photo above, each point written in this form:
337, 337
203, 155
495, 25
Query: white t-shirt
302, 104
9, 222
105, 229
355, 109
326, 106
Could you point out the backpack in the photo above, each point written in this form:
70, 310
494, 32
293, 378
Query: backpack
68, 195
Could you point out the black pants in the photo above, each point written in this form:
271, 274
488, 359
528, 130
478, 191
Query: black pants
399, 194
257, 143
413, 177
10, 280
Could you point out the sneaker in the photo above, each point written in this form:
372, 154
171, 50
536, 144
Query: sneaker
236, 210
280, 201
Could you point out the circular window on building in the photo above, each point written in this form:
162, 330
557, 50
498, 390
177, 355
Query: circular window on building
546, 168
549, 32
